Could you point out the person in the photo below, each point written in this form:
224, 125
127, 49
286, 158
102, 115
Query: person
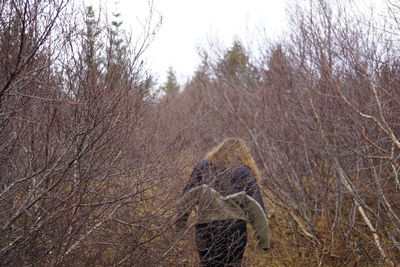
224, 191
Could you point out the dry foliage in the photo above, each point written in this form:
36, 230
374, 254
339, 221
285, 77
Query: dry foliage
92, 164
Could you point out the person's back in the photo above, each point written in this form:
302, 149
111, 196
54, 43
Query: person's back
227, 196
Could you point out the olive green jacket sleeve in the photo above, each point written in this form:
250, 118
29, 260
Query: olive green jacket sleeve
259, 222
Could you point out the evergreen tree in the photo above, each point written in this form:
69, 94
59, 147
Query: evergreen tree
116, 38
280, 70
91, 45
116, 48
279, 63
171, 86
235, 61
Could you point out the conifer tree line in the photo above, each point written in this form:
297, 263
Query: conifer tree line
93, 159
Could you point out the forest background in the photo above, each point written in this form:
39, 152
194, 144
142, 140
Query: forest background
93, 158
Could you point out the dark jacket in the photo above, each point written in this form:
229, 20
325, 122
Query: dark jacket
222, 193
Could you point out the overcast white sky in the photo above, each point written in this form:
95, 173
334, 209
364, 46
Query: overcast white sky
188, 24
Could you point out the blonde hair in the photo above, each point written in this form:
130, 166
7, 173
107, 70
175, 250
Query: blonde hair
234, 150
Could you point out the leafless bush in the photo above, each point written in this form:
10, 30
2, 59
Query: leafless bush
321, 113
92, 165
75, 177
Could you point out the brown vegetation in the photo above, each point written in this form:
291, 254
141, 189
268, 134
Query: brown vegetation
92, 164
